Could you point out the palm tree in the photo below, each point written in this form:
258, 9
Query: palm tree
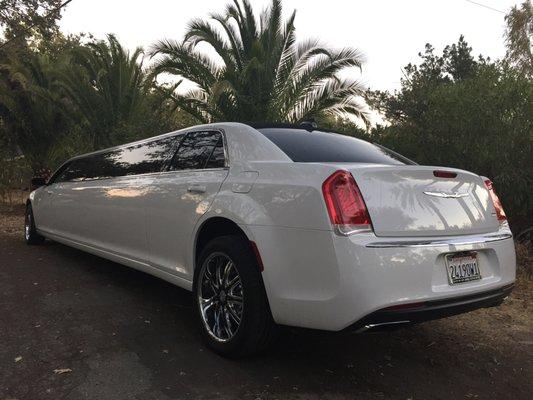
108, 86
33, 116
264, 75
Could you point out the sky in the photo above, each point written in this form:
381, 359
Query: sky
390, 33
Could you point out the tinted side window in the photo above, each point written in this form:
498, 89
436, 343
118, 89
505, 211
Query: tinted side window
132, 160
316, 146
75, 171
59, 174
102, 165
142, 158
196, 150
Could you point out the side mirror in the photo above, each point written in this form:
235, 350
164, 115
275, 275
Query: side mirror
37, 182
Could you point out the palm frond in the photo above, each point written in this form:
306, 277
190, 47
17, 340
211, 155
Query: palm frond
321, 67
336, 97
180, 60
201, 31
233, 38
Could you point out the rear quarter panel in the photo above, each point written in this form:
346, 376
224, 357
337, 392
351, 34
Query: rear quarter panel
274, 191
282, 194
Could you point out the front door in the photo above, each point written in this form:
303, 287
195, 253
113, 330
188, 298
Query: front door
58, 203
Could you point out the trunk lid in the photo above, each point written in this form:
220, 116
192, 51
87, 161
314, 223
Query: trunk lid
410, 201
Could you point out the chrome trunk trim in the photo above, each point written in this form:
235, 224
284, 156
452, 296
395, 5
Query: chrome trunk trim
456, 241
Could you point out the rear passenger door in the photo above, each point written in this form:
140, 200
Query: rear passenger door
180, 196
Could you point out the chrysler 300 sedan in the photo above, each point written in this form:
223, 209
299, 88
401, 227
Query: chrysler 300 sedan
284, 225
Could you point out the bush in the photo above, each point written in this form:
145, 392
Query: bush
479, 119
15, 175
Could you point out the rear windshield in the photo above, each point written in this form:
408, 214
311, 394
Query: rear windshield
317, 146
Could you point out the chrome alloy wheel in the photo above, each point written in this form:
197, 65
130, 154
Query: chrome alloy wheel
220, 297
27, 226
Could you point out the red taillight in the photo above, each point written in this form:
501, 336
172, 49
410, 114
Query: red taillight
344, 202
500, 214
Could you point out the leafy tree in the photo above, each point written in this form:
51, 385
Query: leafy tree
68, 98
32, 114
342, 125
473, 114
109, 88
455, 64
519, 37
264, 75
16, 16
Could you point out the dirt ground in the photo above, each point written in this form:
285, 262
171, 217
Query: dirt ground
74, 326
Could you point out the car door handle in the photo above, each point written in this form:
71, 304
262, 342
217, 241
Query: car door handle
196, 189
49, 192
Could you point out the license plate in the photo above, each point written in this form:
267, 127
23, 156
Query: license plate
462, 267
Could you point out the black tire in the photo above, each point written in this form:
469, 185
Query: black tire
30, 233
256, 330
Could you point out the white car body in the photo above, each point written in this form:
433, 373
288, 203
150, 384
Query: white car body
314, 276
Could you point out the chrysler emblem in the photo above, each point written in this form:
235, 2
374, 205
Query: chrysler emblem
448, 195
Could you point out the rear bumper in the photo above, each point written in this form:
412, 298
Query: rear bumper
317, 279
392, 317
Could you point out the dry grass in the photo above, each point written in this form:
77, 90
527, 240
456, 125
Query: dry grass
524, 260
12, 219
13, 197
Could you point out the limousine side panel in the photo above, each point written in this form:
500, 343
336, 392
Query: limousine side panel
129, 262
104, 213
120, 207
69, 215
48, 200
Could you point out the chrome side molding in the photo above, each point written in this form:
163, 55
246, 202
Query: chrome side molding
441, 242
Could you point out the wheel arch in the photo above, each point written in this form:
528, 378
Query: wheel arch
214, 227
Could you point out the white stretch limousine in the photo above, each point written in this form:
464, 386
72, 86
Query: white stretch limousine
284, 225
